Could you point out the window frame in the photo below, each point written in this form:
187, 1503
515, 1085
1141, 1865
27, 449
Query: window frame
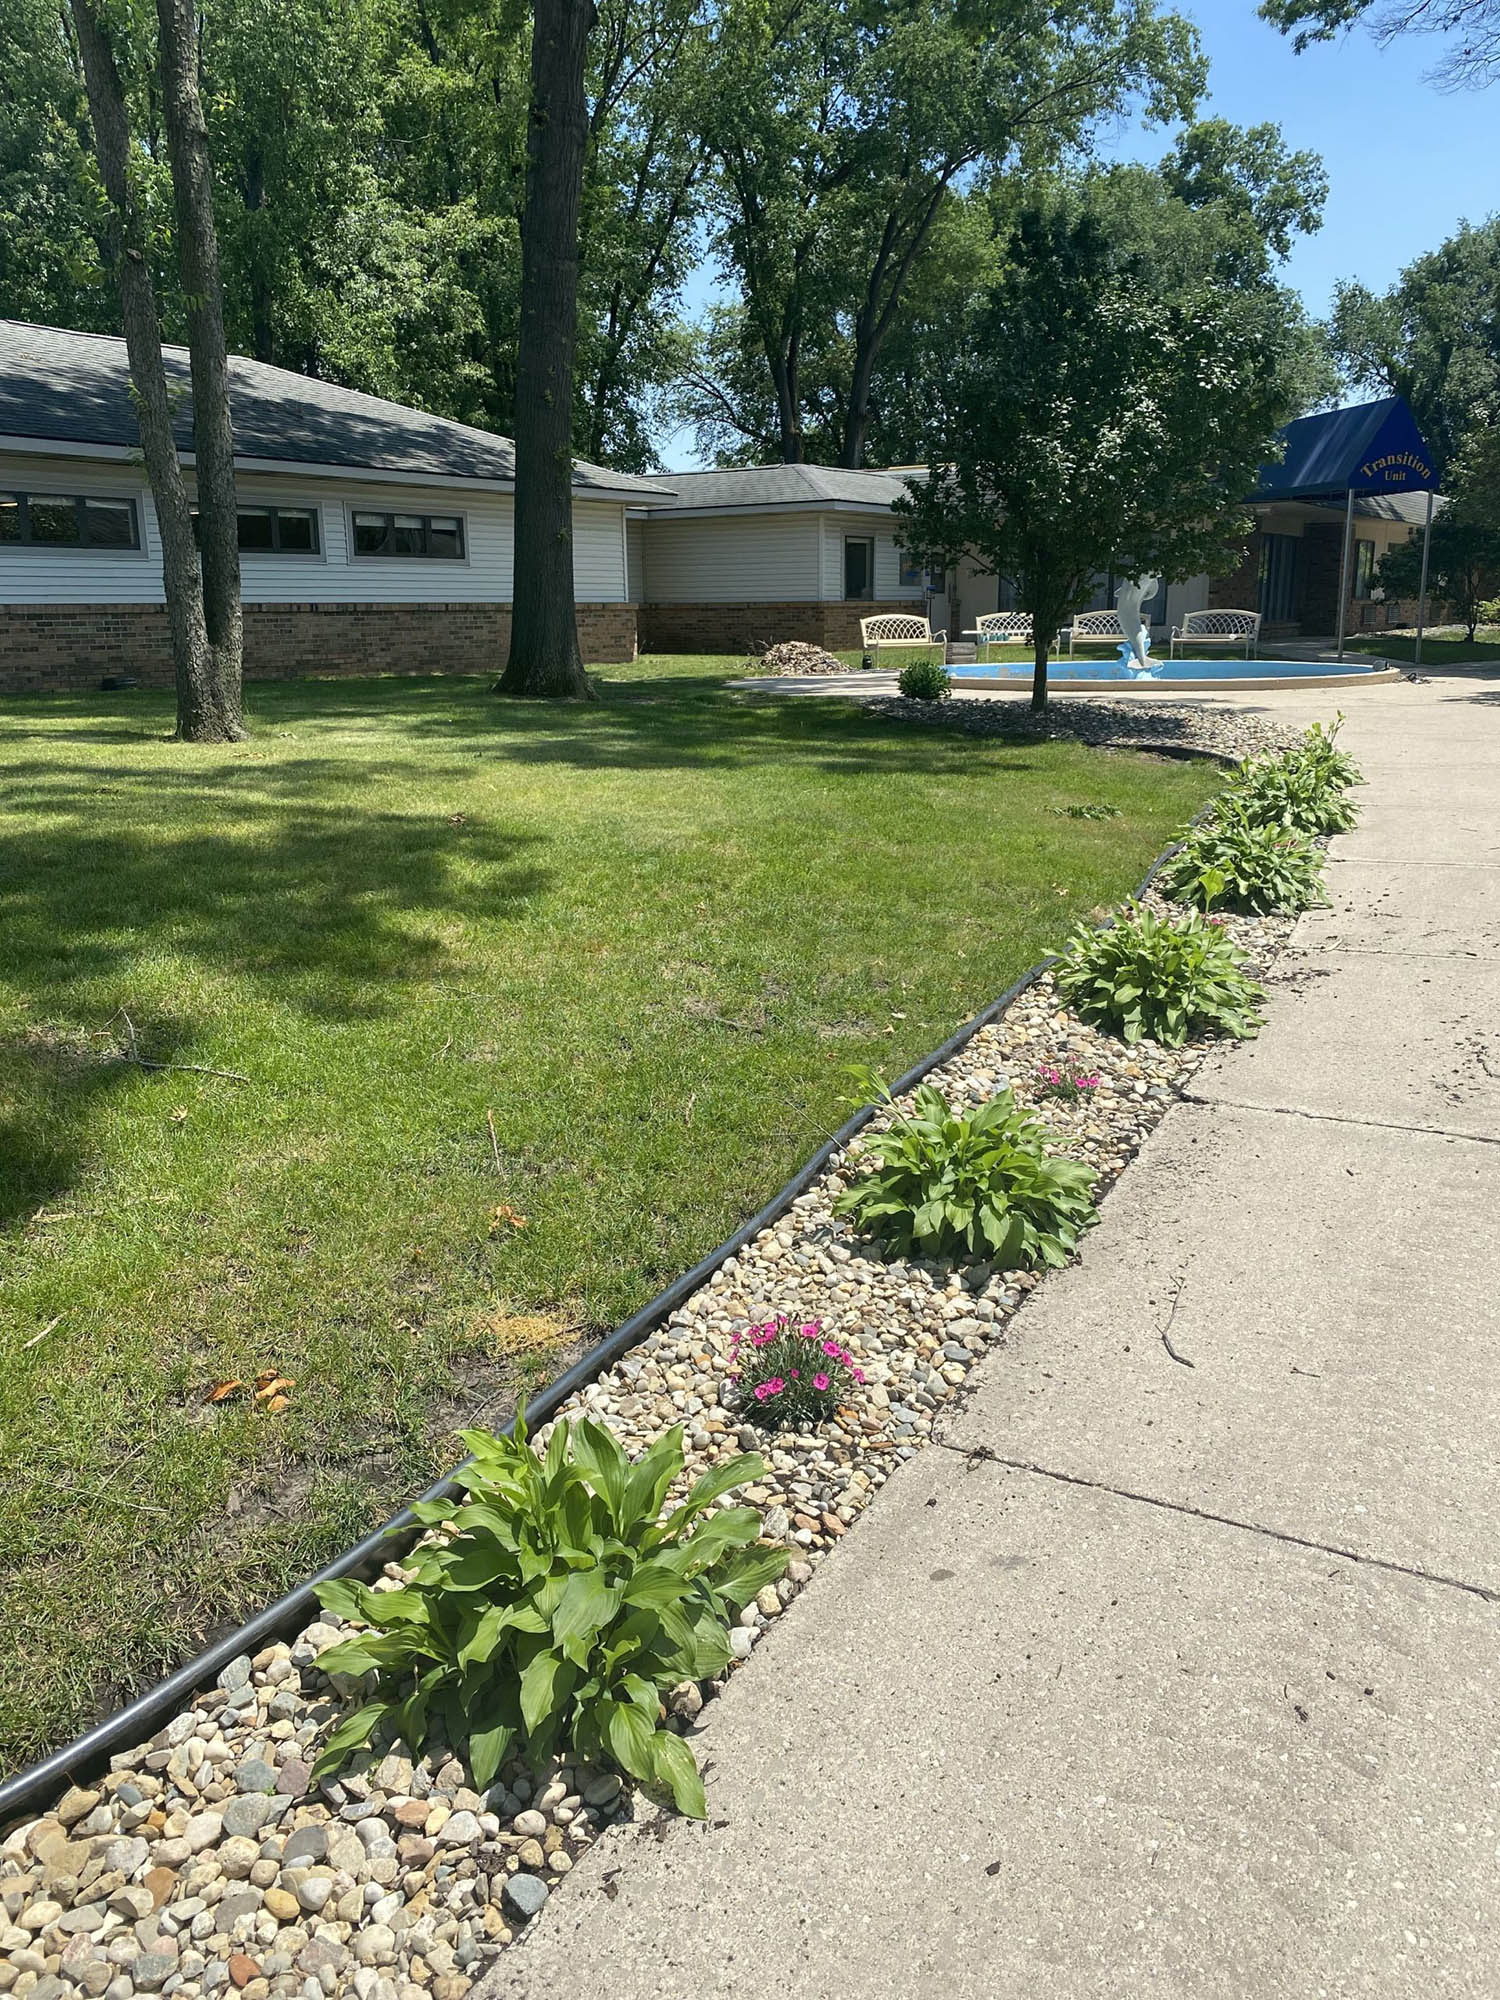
276, 508
81, 502
353, 510
1361, 584
866, 596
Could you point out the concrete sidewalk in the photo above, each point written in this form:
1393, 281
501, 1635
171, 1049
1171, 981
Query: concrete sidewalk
1164, 1680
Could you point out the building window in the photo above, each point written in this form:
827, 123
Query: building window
439, 536
1364, 569
282, 531
67, 521
859, 567
912, 575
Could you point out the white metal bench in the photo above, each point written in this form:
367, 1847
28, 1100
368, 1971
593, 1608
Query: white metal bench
1002, 628
1217, 628
898, 628
1092, 625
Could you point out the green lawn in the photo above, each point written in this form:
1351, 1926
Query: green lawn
649, 935
1452, 650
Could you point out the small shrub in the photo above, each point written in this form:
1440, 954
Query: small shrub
1235, 863
925, 680
975, 1185
792, 1377
1053, 1083
559, 1609
1169, 979
1090, 811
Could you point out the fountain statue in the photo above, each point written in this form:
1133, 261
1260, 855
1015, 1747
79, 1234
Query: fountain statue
1129, 598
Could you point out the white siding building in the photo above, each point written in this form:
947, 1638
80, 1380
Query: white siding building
374, 538
749, 555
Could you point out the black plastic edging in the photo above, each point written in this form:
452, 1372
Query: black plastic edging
149, 1712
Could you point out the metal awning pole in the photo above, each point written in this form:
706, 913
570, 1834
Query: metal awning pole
1422, 595
1344, 568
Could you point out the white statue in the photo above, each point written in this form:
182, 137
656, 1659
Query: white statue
1129, 598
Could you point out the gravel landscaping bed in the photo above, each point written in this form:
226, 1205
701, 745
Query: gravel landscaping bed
204, 1861
1228, 732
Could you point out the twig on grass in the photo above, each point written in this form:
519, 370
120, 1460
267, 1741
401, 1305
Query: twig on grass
133, 1055
489, 1119
37, 1337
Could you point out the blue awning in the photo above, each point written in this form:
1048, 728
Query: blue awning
1371, 448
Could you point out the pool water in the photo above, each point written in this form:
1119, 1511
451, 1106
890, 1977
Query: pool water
1164, 670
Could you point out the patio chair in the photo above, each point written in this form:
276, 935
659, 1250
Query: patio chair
1217, 628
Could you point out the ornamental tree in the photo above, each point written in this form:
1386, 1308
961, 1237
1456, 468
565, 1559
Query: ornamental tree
1087, 422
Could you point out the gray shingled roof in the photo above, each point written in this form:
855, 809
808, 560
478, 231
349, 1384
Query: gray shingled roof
783, 486
74, 388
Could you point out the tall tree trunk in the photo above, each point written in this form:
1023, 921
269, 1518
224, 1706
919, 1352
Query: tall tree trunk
213, 432
124, 243
544, 656
1039, 674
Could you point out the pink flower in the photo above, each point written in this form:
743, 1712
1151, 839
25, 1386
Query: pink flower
761, 1339
832, 1347
859, 1376
794, 1373
809, 1333
820, 1381
762, 1390
1085, 1083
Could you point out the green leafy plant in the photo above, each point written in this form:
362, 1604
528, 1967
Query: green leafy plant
979, 1185
1093, 810
925, 680
1235, 862
1288, 792
1304, 789
1319, 751
556, 1606
1166, 978
790, 1376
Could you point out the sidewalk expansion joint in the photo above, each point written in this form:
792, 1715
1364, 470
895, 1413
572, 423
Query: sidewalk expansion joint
983, 1454
1338, 1118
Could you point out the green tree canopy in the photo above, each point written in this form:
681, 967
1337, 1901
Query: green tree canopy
1433, 338
843, 131
1089, 421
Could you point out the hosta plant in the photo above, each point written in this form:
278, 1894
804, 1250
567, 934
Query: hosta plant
792, 1375
1292, 793
1233, 862
554, 1606
1164, 978
944, 1183
1319, 751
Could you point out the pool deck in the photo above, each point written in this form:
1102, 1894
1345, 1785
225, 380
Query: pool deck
1164, 1680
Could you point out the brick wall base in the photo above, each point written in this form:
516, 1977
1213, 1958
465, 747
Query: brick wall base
739, 628
69, 648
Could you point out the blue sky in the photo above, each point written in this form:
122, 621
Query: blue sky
1406, 163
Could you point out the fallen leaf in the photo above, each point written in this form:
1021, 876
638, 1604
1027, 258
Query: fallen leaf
179, 1116
503, 1216
277, 1404
222, 1391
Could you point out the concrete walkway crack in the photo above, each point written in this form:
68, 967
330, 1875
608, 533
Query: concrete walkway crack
983, 1454
1337, 1118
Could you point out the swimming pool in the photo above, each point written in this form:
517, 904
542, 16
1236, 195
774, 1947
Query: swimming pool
1202, 673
